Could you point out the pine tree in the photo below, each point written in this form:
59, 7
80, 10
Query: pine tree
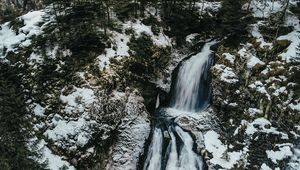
15, 128
232, 25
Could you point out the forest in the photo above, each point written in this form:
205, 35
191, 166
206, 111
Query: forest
157, 84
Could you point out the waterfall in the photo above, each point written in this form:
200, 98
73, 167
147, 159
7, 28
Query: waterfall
173, 156
192, 93
188, 159
153, 161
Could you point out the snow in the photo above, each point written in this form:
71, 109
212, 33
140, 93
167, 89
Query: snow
226, 73
120, 40
190, 38
265, 71
284, 152
219, 151
247, 53
280, 91
262, 90
295, 106
295, 159
233, 104
253, 61
172, 112
229, 57
265, 167
293, 37
78, 100
258, 86
35, 58
133, 131
254, 111
10, 40
52, 52
63, 129
54, 162
207, 6
264, 9
160, 39
261, 125
31, 21
118, 50
259, 38
273, 79
258, 83
39, 110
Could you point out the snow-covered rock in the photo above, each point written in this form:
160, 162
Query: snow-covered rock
133, 131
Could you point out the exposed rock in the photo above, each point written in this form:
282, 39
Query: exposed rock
133, 131
280, 45
260, 90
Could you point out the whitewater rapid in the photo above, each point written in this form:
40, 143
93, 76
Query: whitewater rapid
191, 93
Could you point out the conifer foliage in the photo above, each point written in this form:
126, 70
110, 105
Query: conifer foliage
232, 25
15, 128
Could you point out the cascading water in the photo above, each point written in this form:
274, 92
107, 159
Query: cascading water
155, 152
192, 90
192, 93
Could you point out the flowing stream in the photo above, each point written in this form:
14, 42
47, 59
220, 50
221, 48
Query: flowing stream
191, 93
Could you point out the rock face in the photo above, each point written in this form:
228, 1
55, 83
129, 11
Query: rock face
108, 130
249, 87
120, 126
133, 131
86, 113
252, 86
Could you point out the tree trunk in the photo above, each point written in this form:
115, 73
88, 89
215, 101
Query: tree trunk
285, 9
249, 4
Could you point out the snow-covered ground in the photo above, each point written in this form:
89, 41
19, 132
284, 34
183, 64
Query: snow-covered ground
293, 37
70, 128
120, 41
46, 156
32, 24
219, 151
226, 73
259, 38
265, 8
54, 162
207, 7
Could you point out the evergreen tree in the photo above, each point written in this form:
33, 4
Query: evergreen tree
232, 25
15, 128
